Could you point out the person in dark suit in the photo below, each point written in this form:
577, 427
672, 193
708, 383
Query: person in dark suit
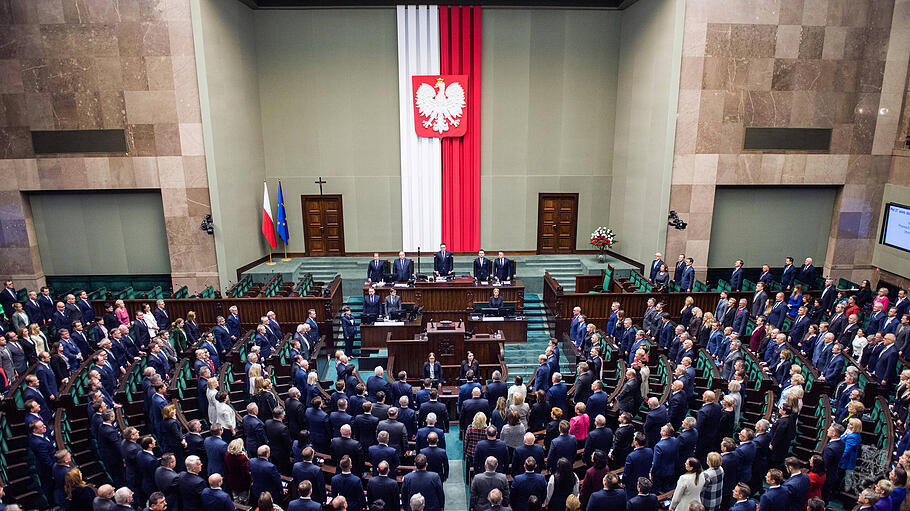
86, 312
886, 365
782, 434
305, 499
645, 500
759, 300
264, 474
610, 497
402, 268
61, 319
638, 463
799, 327
318, 420
666, 455
166, 480
529, 449
741, 318
707, 420
344, 445
622, 439
502, 268
43, 449
775, 497
470, 408
109, 446
807, 273
348, 330
788, 273
424, 482
677, 275
834, 368
629, 396
215, 449
382, 452
161, 316
376, 269
687, 279
434, 406
736, 277
33, 309
655, 266
216, 499
349, 486
279, 439
527, 483
384, 488
398, 434
146, 464
437, 459
491, 446
307, 471
432, 369
563, 446
392, 303
832, 454
746, 454
372, 305
482, 268
797, 485
254, 429
656, 419
443, 262
190, 484
495, 299
730, 463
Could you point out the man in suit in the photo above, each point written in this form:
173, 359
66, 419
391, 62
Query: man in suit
47, 304
314, 327
348, 486
677, 404
382, 452
541, 380
826, 298
622, 439
891, 322
486, 481
344, 445
528, 449
806, 274
765, 277
437, 459
372, 305
470, 407
398, 435
655, 266
797, 485
109, 446
233, 324
443, 262
577, 326
161, 315
43, 449
741, 318
782, 434
307, 471
527, 483
645, 500
376, 269
33, 309
384, 488
491, 446
832, 454
834, 369
688, 276
86, 312
656, 419
778, 311
730, 464
33, 392
799, 327
759, 300
736, 277
166, 480
483, 268
61, 319
279, 439
707, 420
215, 448
402, 268
746, 454
638, 463
146, 465
666, 331
424, 482
435, 407
788, 273
348, 330
666, 453
216, 499
190, 484
254, 429
678, 270
264, 474
775, 497
502, 268
563, 446
392, 303
885, 367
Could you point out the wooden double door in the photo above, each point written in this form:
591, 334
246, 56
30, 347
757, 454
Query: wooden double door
323, 225
557, 223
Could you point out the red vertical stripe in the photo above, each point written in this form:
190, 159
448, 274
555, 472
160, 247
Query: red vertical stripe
460, 34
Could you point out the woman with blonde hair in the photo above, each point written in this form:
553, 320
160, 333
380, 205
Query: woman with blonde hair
713, 481
211, 392
704, 330
572, 503
237, 479
191, 327
518, 405
265, 398
79, 495
498, 416
851, 438
252, 375
685, 314
578, 425
475, 433
38, 337
312, 387
123, 316
171, 437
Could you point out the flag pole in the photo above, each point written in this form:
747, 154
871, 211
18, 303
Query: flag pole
270, 263
286, 258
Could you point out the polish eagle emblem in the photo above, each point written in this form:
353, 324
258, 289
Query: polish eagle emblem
439, 108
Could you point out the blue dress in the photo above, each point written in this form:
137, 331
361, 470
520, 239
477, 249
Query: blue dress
794, 304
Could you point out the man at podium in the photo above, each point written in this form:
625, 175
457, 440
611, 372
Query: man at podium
502, 268
482, 268
376, 269
392, 303
443, 263
402, 268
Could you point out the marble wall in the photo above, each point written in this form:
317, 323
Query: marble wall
788, 63
93, 64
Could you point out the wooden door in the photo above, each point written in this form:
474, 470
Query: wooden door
323, 225
557, 223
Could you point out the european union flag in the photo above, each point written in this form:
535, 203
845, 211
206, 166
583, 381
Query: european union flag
282, 216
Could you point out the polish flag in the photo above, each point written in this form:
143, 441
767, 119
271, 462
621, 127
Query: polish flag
268, 225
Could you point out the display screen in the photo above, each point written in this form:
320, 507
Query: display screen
896, 226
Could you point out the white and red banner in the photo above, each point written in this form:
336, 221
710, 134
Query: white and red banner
268, 224
439, 101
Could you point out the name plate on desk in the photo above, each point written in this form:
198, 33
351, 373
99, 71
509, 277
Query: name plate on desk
389, 323
493, 318
400, 285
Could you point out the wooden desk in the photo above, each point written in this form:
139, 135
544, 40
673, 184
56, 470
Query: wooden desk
454, 295
376, 336
514, 330
450, 347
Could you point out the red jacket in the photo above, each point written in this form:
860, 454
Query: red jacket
237, 473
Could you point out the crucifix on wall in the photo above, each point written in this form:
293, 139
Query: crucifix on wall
320, 182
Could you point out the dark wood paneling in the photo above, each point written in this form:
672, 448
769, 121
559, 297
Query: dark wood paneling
557, 223
453, 296
323, 225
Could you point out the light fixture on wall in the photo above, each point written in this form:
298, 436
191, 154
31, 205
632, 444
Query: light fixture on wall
207, 224
675, 221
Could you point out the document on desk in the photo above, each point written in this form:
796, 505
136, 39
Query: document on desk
494, 318
400, 284
389, 323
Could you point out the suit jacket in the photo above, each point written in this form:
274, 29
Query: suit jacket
730, 462
655, 267
775, 497
372, 305
502, 269
497, 449
643, 502
741, 321
437, 460
481, 486
265, 477
341, 446
442, 414
166, 483
376, 271
215, 449
189, 487
470, 408
279, 439
398, 434
707, 421
526, 484
678, 270
797, 487
379, 453
778, 314
638, 464
563, 446
306, 471
349, 486
783, 431
655, 420
402, 270
426, 483
482, 269
746, 453
443, 263
886, 365
382, 488
807, 275
523, 452
391, 304
666, 453
688, 278
607, 499
736, 279
86, 311
216, 499
254, 429
759, 300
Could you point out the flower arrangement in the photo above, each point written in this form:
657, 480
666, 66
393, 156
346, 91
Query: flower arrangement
603, 238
